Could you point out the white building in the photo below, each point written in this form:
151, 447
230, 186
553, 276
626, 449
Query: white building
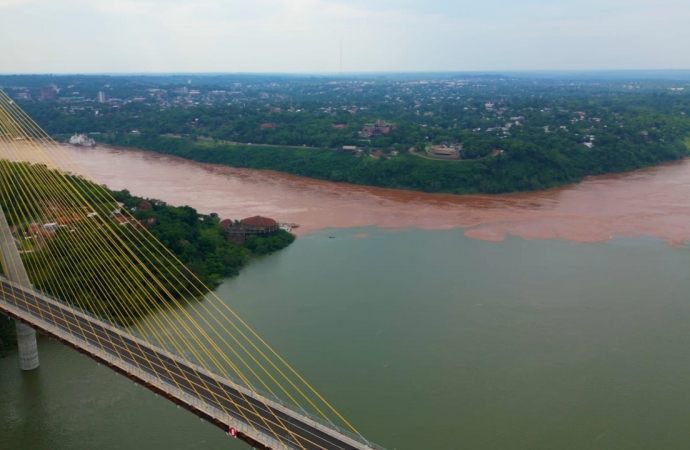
82, 140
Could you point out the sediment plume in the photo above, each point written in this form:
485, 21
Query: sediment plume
648, 202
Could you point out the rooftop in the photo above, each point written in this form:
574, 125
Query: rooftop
258, 221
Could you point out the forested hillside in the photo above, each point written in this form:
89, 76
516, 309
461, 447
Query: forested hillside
508, 133
523, 165
197, 240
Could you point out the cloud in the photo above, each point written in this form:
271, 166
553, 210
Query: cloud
305, 35
10, 3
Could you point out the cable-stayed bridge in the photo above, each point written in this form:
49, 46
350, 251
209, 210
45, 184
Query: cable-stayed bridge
79, 267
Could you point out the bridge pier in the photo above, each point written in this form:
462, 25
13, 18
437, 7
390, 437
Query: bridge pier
14, 270
28, 347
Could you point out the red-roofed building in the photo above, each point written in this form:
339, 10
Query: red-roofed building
226, 223
379, 128
145, 205
120, 219
257, 225
268, 126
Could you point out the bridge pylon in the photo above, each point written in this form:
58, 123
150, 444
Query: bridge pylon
14, 270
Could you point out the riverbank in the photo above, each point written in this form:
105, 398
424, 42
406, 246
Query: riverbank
521, 167
648, 202
201, 254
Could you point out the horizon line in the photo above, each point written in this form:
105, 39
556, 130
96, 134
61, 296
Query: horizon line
337, 73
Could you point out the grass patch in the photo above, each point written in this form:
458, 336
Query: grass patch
28, 245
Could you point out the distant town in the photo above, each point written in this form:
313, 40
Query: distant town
557, 129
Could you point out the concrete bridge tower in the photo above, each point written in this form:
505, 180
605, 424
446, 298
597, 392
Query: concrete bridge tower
14, 271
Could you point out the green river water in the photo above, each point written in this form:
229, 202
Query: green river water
423, 340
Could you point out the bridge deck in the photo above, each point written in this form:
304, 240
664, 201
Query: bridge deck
258, 419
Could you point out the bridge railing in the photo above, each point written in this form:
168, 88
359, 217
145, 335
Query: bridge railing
165, 385
317, 419
295, 409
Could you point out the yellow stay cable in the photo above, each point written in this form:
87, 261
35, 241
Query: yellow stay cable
190, 293
288, 378
87, 297
33, 261
271, 350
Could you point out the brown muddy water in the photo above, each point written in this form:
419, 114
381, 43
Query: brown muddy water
431, 337
649, 202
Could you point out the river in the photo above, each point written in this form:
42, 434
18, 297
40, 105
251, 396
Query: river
428, 321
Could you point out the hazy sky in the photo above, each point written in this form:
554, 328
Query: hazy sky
58, 36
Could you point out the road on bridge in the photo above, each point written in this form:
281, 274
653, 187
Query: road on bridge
263, 416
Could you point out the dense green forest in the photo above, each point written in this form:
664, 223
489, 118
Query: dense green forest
511, 132
524, 165
541, 122
198, 241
